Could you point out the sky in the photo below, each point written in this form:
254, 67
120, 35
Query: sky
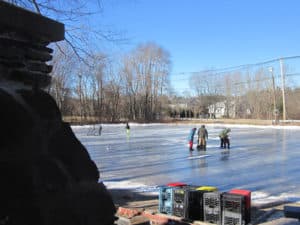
202, 35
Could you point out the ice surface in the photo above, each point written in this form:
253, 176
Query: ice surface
265, 160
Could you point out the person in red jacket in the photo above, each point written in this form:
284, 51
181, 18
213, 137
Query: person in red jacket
191, 138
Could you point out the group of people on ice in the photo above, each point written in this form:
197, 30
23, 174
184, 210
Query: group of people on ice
203, 136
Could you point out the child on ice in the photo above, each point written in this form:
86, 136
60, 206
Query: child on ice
191, 138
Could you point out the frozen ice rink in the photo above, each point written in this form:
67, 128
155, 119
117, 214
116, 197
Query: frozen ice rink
265, 160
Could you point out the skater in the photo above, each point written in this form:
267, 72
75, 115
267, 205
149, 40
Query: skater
127, 129
191, 138
202, 137
224, 138
100, 130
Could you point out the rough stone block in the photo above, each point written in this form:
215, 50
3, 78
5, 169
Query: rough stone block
136, 220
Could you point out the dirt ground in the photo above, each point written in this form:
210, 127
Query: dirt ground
266, 214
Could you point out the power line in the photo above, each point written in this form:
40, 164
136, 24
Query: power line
222, 87
278, 76
234, 68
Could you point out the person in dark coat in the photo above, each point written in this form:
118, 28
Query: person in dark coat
100, 130
191, 138
127, 130
202, 137
224, 138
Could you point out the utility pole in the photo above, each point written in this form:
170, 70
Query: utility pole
274, 95
283, 90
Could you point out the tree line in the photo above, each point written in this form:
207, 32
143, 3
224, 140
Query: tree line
137, 87
134, 88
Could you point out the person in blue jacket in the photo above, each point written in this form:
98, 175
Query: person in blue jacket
191, 138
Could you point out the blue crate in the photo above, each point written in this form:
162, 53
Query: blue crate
166, 198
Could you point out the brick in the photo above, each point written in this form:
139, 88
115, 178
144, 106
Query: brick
129, 213
136, 220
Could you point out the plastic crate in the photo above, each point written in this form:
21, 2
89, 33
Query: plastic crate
230, 218
179, 195
187, 203
207, 188
195, 205
213, 218
233, 203
247, 195
212, 207
179, 204
233, 209
166, 196
176, 184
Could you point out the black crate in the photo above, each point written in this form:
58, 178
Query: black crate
179, 204
212, 207
188, 203
195, 205
179, 195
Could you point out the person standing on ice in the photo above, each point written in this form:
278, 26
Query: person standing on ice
100, 130
191, 138
127, 129
224, 138
202, 137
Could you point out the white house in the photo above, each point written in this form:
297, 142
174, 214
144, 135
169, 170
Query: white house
222, 109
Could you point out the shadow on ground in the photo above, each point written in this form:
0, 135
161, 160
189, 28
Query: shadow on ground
132, 199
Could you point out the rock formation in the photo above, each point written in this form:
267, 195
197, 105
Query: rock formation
47, 175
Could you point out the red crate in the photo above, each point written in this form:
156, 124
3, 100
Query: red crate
245, 193
176, 184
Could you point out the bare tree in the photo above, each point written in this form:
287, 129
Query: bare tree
64, 65
208, 88
80, 35
146, 71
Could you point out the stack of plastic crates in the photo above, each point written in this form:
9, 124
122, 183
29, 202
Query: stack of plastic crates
233, 209
247, 195
212, 207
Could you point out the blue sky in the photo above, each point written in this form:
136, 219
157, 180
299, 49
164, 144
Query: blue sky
209, 34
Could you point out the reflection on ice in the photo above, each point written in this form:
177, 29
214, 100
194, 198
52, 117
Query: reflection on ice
264, 160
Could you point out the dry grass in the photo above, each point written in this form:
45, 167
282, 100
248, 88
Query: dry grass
92, 120
235, 121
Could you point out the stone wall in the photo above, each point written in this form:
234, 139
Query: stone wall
47, 175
